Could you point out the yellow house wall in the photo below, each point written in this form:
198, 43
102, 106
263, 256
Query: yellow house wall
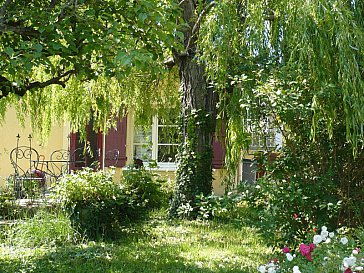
58, 139
10, 128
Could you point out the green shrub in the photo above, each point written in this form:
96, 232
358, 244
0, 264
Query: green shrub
98, 205
290, 203
147, 188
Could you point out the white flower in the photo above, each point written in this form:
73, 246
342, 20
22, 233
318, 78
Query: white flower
331, 234
344, 240
349, 261
324, 234
261, 269
359, 268
317, 239
296, 269
324, 228
289, 257
355, 252
328, 240
271, 270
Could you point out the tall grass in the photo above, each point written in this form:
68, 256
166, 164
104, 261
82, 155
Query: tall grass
45, 228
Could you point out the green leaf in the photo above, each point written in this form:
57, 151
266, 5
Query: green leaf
9, 51
142, 17
38, 47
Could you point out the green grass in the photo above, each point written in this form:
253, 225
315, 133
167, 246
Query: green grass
157, 245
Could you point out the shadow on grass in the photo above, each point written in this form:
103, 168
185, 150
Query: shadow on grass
91, 259
151, 246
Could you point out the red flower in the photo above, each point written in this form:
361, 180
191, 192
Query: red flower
295, 216
306, 251
286, 249
348, 270
314, 230
312, 247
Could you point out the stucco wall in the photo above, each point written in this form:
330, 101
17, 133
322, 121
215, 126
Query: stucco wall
58, 139
10, 128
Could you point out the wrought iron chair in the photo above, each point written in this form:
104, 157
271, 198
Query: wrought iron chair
28, 178
112, 157
78, 159
59, 164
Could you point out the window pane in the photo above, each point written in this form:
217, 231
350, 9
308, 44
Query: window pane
167, 153
249, 171
168, 134
142, 136
143, 152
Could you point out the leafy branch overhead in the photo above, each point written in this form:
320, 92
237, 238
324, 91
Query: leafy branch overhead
84, 38
65, 57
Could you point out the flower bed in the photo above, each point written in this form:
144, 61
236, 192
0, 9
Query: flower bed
328, 252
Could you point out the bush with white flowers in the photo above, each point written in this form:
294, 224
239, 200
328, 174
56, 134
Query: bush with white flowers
329, 252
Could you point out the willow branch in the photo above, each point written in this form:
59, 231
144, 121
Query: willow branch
56, 80
21, 30
197, 24
7, 87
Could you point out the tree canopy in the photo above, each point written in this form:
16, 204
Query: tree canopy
262, 55
63, 59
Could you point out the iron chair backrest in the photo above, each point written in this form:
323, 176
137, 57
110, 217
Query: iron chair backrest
78, 159
24, 160
28, 178
112, 157
60, 161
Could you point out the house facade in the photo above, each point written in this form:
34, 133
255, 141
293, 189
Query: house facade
156, 145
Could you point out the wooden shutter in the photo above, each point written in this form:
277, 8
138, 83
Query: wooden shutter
218, 149
116, 139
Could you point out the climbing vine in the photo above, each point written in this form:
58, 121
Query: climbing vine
194, 173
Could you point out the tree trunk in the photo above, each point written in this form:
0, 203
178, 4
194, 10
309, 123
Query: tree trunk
194, 171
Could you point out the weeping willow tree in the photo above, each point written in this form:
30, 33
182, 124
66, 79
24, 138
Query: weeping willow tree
258, 52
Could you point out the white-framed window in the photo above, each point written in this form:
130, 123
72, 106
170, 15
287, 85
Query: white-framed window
266, 138
157, 143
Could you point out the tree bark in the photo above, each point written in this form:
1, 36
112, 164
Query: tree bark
194, 170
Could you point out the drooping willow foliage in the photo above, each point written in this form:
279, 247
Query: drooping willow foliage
263, 54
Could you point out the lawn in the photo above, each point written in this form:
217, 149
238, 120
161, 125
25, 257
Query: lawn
156, 245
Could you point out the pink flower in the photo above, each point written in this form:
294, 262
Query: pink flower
295, 216
286, 249
312, 247
306, 251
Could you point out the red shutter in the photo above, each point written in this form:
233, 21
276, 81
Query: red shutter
218, 149
116, 140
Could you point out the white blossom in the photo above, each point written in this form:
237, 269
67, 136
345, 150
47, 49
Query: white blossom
289, 257
296, 269
261, 269
344, 240
317, 239
349, 261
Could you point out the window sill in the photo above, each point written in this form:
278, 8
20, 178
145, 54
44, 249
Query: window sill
161, 166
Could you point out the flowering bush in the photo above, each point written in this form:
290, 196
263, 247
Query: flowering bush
328, 252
